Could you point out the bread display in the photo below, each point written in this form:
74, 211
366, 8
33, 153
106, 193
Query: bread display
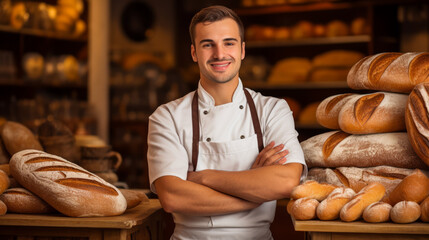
328, 110
353, 210
312, 189
329, 209
424, 207
20, 200
414, 187
378, 112
339, 149
377, 212
304, 208
405, 212
17, 137
65, 186
417, 120
390, 71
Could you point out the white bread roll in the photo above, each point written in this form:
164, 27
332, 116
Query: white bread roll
353, 210
67, 187
328, 110
20, 200
304, 208
405, 212
329, 209
339, 149
373, 113
312, 189
377, 212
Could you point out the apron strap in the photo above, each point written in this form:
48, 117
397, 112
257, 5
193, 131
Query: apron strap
196, 127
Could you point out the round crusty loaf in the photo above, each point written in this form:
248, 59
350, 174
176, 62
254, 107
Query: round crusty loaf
377, 212
312, 189
417, 120
405, 212
390, 71
414, 187
424, 206
340, 149
65, 186
373, 113
17, 137
304, 208
328, 110
20, 200
329, 209
353, 210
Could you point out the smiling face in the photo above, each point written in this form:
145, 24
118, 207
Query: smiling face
218, 50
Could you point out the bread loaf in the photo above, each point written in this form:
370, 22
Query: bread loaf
414, 187
17, 137
4, 181
390, 71
373, 113
417, 120
424, 206
304, 209
377, 212
312, 189
133, 197
357, 178
405, 212
329, 209
340, 149
20, 200
328, 110
353, 210
66, 186
3, 208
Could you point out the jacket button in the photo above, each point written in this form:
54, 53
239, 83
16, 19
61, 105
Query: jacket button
205, 112
241, 107
208, 139
242, 137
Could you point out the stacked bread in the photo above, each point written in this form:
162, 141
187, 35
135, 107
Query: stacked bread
379, 137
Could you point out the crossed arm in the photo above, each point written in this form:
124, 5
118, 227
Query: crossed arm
214, 192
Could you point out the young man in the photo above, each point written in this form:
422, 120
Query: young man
207, 159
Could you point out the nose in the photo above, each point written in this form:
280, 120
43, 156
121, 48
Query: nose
218, 52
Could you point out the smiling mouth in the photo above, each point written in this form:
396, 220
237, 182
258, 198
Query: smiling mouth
220, 66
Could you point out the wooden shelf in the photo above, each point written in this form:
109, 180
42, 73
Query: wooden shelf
44, 34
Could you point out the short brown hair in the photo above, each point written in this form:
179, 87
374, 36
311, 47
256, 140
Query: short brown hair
213, 14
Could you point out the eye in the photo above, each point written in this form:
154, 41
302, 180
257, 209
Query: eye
229, 43
207, 45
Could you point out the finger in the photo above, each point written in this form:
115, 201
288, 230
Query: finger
275, 158
272, 151
263, 152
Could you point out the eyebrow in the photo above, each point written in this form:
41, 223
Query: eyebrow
224, 40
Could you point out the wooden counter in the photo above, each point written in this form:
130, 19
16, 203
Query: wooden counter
141, 222
336, 230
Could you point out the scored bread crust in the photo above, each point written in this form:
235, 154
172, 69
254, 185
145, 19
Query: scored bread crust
328, 110
377, 212
65, 186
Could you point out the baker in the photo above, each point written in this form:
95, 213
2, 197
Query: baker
221, 156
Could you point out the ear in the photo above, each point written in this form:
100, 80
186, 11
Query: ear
193, 53
243, 51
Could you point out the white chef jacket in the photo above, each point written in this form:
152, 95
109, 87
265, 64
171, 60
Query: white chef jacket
227, 127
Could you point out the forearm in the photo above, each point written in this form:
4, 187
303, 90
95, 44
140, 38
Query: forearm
255, 185
180, 196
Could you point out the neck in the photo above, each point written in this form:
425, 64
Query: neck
221, 93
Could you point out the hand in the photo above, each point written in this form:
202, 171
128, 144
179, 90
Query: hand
271, 155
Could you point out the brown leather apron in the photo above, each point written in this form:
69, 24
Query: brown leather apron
196, 128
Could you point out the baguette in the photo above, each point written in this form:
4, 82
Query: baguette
390, 71
424, 206
304, 208
378, 112
340, 149
405, 212
377, 212
353, 210
65, 186
20, 200
414, 187
329, 209
417, 120
328, 110
312, 189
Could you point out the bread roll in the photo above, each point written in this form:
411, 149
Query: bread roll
373, 113
405, 212
20, 200
133, 197
4, 181
353, 210
328, 110
337, 28
414, 187
329, 209
66, 186
304, 209
390, 72
424, 206
289, 205
312, 189
417, 120
340, 149
357, 178
377, 212
17, 137
3, 208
